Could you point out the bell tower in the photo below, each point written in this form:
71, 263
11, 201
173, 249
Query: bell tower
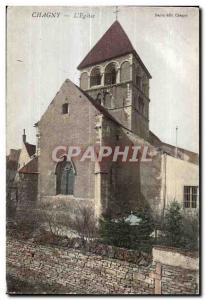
113, 74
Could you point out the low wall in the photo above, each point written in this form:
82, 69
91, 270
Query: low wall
83, 273
88, 273
134, 256
173, 257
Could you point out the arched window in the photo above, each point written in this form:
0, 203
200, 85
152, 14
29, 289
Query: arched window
110, 74
138, 81
145, 86
65, 178
125, 71
138, 77
108, 101
84, 81
95, 77
141, 105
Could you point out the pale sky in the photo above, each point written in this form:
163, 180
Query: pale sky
43, 52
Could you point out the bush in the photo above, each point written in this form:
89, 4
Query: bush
80, 224
84, 223
115, 233
180, 230
173, 225
190, 239
24, 225
122, 233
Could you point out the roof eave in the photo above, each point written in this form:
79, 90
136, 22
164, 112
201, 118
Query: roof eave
82, 66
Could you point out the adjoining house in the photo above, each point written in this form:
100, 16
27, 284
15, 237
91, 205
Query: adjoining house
28, 151
22, 176
11, 189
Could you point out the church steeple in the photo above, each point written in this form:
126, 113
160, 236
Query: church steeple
113, 43
113, 74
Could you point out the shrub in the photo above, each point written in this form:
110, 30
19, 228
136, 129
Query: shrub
84, 223
61, 220
190, 239
123, 233
115, 233
173, 225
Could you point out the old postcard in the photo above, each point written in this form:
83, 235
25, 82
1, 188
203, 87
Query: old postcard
103, 150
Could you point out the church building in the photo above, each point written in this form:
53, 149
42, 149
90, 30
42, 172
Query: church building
110, 108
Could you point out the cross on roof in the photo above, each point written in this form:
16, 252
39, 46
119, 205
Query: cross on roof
116, 12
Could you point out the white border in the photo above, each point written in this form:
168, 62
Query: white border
5, 3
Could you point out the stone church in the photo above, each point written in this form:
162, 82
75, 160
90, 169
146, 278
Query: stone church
111, 108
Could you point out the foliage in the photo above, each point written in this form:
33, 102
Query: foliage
180, 230
190, 239
84, 223
122, 233
173, 225
61, 222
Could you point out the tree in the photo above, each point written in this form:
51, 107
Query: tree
132, 232
191, 232
115, 232
173, 225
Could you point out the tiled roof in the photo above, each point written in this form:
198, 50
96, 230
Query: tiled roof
171, 150
31, 149
114, 43
31, 167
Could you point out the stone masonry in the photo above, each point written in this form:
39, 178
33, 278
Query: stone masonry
87, 273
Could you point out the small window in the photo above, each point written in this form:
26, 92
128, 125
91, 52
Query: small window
138, 81
144, 88
141, 105
98, 98
190, 196
65, 108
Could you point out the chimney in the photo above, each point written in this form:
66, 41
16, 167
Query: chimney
24, 136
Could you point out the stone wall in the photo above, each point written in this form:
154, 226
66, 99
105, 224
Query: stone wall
175, 258
179, 281
27, 188
151, 184
120, 180
87, 273
140, 258
76, 128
